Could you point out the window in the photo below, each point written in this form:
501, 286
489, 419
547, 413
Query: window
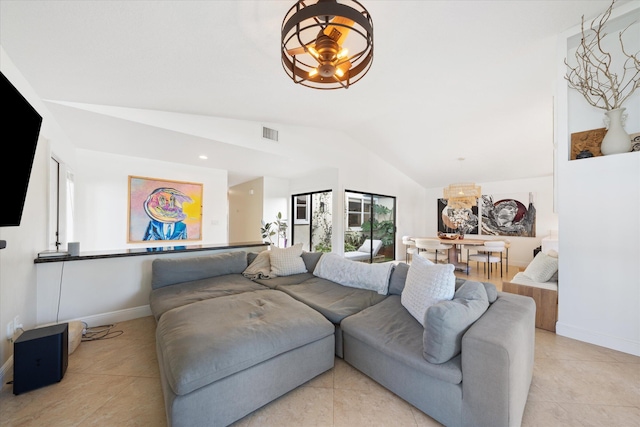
359, 211
372, 218
312, 225
301, 209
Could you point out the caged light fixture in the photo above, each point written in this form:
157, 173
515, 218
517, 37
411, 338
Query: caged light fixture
327, 44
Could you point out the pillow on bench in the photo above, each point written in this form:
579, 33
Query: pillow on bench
542, 268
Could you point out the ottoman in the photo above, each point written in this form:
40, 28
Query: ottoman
222, 358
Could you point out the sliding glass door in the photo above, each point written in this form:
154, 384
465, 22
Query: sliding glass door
370, 227
312, 220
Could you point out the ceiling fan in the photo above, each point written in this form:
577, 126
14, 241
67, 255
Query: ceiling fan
328, 49
314, 52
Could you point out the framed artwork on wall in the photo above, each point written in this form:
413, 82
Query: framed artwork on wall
461, 221
162, 210
507, 215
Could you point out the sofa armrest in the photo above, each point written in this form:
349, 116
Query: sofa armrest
497, 363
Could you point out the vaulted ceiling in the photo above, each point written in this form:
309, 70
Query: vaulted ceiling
449, 80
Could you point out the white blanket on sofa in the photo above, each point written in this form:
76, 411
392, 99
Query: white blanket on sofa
260, 268
374, 277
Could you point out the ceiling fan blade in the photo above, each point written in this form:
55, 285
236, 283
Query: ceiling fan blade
338, 32
297, 51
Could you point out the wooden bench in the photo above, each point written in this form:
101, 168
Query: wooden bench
545, 296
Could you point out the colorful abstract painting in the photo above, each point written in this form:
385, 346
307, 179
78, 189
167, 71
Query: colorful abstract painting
508, 215
161, 210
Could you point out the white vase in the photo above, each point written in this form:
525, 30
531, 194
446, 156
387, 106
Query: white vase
616, 140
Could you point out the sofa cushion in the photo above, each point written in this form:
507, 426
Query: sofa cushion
398, 278
294, 279
390, 329
542, 268
311, 259
492, 291
354, 274
447, 321
331, 299
287, 261
249, 328
165, 272
427, 284
166, 298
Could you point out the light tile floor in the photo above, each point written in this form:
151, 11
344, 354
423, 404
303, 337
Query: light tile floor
116, 382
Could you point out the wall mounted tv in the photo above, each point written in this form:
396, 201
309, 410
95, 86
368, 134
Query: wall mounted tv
21, 127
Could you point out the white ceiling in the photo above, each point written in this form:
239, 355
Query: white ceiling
449, 80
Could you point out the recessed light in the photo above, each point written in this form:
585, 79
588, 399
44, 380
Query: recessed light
203, 157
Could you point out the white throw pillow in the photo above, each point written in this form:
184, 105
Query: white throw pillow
427, 284
287, 261
542, 268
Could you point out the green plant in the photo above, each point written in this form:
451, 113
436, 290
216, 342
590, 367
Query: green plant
322, 247
383, 229
352, 241
266, 231
278, 227
321, 225
281, 225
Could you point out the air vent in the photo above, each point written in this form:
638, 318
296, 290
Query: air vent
271, 134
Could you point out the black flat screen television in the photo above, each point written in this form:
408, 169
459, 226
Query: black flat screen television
21, 128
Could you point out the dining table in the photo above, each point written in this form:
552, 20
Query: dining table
456, 245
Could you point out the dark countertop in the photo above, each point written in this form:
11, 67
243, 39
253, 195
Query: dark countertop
63, 256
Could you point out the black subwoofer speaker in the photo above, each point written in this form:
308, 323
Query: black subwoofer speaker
40, 357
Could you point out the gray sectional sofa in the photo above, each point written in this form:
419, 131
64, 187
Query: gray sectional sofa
229, 342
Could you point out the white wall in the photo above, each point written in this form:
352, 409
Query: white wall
17, 270
277, 199
599, 227
102, 194
245, 211
100, 291
371, 174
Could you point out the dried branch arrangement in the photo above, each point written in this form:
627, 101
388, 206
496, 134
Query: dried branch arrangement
593, 76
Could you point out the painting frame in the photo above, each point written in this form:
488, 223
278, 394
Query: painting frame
162, 210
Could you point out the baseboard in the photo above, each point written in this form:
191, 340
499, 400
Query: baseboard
614, 343
6, 371
113, 316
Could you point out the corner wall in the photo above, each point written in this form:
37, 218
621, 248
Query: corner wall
599, 205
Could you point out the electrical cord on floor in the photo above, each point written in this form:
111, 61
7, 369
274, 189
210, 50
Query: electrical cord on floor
96, 333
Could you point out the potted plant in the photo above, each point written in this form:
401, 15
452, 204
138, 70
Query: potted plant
278, 227
603, 83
